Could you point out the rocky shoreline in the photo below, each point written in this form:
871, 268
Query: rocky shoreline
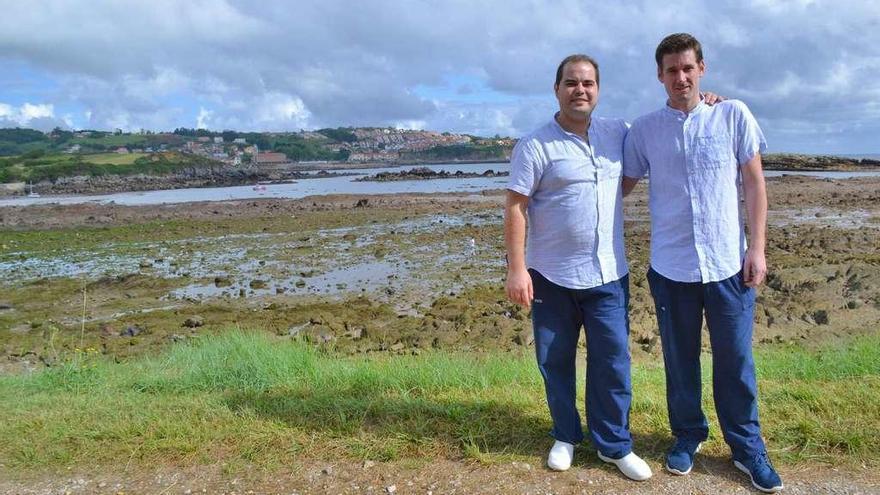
425, 173
248, 176
787, 161
118, 183
393, 273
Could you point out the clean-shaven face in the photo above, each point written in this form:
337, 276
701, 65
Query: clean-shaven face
680, 73
578, 91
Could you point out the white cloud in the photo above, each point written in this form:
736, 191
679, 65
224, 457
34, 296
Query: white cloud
203, 119
279, 65
34, 115
278, 110
30, 111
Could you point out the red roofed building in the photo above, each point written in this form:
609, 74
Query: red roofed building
271, 158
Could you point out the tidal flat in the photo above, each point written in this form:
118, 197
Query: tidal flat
388, 273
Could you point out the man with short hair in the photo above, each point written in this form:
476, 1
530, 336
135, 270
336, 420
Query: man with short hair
565, 178
697, 157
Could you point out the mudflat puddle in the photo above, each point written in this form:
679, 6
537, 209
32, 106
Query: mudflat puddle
375, 258
851, 219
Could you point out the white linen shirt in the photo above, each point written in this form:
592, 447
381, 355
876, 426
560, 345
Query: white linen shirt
575, 210
694, 164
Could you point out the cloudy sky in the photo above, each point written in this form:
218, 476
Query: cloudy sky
809, 70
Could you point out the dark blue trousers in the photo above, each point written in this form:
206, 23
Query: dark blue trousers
558, 314
729, 309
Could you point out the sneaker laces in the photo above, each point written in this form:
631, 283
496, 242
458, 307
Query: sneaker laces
761, 461
686, 444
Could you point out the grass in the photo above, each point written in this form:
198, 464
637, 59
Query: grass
245, 397
113, 158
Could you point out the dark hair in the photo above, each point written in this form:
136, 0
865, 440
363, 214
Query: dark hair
677, 43
577, 57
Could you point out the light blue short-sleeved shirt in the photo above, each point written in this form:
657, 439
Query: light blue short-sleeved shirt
575, 211
694, 186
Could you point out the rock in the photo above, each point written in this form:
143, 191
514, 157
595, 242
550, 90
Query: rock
327, 470
355, 333
176, 338
524, 338
368, 464
131, 331
5, 306
294, 331
21, 329
300, 283
107, 330
362, 203
222, 281
257, 284
390, 488
194, 322
397, 347
145, 264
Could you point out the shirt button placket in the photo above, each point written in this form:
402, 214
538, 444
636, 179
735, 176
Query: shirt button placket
600, 200
694, 186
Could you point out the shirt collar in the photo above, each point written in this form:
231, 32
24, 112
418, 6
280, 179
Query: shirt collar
701, 106
590, 128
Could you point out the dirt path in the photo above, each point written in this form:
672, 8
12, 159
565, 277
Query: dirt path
711, 475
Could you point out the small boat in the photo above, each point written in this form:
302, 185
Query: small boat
31, 193
260, 187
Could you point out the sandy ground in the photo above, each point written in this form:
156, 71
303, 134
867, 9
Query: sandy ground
588, 476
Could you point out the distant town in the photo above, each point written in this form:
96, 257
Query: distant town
65, 161
350, 145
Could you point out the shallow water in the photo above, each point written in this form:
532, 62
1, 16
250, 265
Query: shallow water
341, 185
299, 189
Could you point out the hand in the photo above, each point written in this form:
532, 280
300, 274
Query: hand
754, 268
710, 98
519, 287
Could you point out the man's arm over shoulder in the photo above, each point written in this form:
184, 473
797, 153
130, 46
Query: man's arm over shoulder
635, 162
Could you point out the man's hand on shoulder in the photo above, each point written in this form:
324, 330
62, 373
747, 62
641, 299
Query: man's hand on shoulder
710, 98
754, 267
519, 287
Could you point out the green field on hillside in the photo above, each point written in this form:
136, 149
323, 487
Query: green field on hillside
113, 158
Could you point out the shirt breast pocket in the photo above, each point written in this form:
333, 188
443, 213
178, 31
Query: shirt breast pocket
566, 171
712, 151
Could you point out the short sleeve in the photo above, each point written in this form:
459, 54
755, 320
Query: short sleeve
750, 139
635, 164
526, 167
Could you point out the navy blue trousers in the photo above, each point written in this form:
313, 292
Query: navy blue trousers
558, 314
729, 308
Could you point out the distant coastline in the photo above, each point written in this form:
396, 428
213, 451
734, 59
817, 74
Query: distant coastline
783, 162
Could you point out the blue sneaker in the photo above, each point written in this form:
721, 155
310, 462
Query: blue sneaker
680, 458
761, 472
